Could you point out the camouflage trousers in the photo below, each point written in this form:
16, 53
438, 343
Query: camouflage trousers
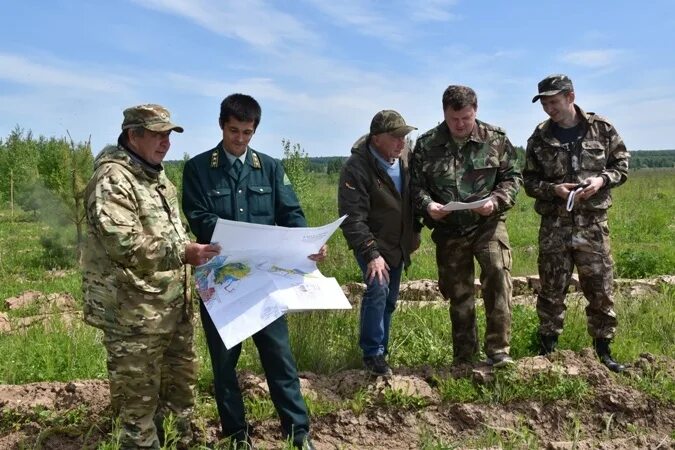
560, 249
489, 244
151, 376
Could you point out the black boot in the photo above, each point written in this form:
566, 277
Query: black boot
547, 343
605, 355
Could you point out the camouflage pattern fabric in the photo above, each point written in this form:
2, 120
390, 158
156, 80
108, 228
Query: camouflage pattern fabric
560, 249
454, 256
134, 279
135, 290
151, 117
442, 172
579, 237
152, 376
600, 153
389, 121
552, 85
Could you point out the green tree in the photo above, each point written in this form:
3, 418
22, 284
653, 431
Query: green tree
18, 163
334, 166
174, 172
49, 177
296, 165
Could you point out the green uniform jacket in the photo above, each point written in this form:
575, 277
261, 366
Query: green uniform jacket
261, 194
380, 219
134, 277
485, 166
601, 152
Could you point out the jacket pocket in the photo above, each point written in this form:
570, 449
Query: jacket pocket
500, 253
260, 200
221, 201
592, 156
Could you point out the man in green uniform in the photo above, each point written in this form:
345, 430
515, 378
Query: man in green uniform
234, 182
135, 279
573, 159
463, 160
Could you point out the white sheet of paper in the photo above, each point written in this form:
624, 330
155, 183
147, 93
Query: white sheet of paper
458, 206
263, 272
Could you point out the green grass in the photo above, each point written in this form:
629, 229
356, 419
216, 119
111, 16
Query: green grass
52, 352
399, 399
507, 386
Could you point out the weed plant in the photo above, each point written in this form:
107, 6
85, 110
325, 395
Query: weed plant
399, 399
359, 402
516, 438
507, 386
320, 407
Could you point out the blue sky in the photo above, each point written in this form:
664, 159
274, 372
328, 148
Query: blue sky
322, 68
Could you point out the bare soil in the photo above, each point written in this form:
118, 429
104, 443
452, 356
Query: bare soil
616, 416
76, 415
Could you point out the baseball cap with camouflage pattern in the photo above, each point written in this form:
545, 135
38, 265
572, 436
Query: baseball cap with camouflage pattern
151, 117
553, 84
389, 121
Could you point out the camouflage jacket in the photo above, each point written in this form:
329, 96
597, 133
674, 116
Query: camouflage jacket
380, 220
261, 193
134, 276
601, 152
484, 166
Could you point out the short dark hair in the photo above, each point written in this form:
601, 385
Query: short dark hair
459, 97
242, 107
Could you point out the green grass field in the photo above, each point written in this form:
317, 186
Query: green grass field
643, 232
642, 228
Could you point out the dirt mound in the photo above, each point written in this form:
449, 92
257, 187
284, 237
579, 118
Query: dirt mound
406, 411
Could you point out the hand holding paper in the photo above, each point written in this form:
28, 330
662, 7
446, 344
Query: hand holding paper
458, 206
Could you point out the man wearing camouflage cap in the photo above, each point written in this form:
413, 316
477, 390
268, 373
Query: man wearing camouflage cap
463, 160
374, 193
573, 159
135, 280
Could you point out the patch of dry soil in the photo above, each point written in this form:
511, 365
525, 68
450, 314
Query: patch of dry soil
615, 417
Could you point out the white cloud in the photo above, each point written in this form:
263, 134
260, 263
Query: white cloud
388, 21
253, 21
595, 59
356, 14
434, 10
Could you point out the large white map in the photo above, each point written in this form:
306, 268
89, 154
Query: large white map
263, 272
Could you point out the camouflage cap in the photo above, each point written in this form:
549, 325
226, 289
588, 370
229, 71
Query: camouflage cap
151, 117
553, 84
389, 121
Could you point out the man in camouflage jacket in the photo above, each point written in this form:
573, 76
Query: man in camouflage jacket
573, 159
463, 160
381, 229
135, 279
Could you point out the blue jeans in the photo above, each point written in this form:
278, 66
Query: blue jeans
377, 306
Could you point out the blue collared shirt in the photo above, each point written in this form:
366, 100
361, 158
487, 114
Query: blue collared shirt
392, 169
